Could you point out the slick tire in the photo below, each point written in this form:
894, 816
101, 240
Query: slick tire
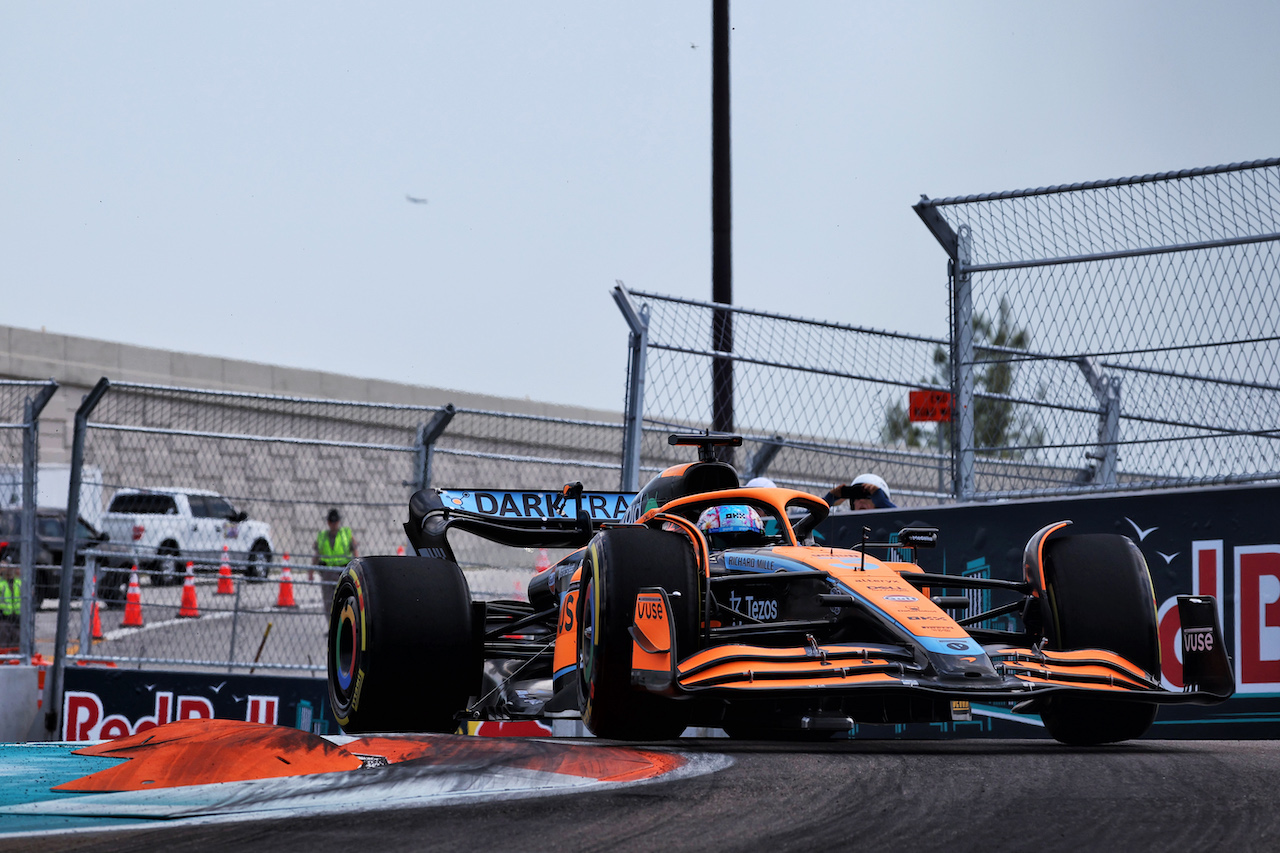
402, 655
617, 565
1098, 594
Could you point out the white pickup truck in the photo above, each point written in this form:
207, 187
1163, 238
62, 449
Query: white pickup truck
177, 525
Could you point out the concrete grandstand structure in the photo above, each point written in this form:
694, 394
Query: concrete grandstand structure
77, 363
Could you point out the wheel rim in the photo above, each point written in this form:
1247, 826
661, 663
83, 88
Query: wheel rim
168, 566
586, 637
257, 569
345, 650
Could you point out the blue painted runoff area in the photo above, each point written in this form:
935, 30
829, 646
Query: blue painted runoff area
27, 773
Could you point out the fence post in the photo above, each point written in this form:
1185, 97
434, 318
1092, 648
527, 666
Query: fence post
88, 593
1109, 432
428, 434
763, 458
1106, 390
637, 355
53, 686
963, 367
235, 623
30, 473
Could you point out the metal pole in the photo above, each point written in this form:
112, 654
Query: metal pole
53, 686
1109, 434
88, 593
721, 227
963, 369
30, 475
637, 358
235, 623
428, 434
763, 458
950, 242
942, 461
1106, 390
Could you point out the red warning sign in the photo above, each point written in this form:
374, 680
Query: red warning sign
929, 406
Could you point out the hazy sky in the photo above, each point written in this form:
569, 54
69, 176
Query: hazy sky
231, 178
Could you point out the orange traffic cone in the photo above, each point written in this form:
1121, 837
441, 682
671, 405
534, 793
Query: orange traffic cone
226, 586
97, 622
190, 609
400, 551
544, 562
285, 599
133, 602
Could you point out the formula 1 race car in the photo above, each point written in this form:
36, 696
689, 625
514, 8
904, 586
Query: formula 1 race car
697, 603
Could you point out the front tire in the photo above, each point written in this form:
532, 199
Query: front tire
1098, 595
617, 565
259, 558
402, 656
166, 565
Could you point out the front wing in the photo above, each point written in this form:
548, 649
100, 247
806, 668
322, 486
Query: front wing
1015, 674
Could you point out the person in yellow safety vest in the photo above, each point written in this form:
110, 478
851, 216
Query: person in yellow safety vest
335, 547
10, 605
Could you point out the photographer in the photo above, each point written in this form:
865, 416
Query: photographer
867, 491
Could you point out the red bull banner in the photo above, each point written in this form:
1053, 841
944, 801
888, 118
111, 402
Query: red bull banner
107, 704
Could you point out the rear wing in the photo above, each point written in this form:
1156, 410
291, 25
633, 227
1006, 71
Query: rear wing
525, 506
523, 519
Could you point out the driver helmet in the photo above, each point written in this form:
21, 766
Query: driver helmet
734, 518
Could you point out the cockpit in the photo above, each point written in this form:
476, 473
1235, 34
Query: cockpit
751, 518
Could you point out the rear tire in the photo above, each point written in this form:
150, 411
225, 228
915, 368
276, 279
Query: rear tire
617, 565
1098, 595
402, 656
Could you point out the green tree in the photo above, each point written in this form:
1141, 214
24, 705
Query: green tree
996, 423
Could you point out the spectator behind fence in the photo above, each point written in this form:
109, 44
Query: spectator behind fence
10, 605
335, 547
867, 491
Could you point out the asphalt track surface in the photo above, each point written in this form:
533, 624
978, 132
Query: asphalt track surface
852, 795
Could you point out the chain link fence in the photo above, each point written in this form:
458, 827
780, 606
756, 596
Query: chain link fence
814, 400
1116, 334
1119, 334
26, 570
195, 480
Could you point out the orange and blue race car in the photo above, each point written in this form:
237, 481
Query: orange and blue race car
696, 602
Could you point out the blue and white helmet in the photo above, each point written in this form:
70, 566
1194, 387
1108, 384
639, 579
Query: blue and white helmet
734, 518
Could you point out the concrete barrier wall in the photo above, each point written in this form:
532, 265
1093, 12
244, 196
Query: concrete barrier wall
19, 701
